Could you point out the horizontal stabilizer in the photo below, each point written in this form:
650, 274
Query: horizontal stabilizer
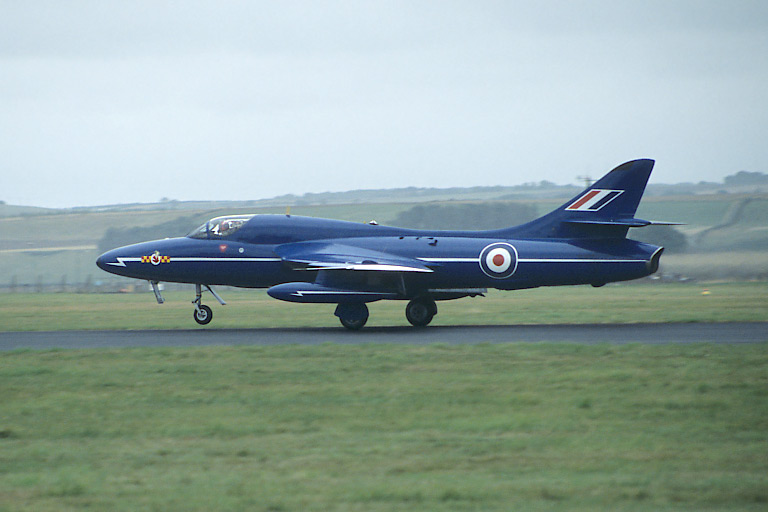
632, 223
665, 223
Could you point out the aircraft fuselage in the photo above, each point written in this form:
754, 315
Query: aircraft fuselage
249, 260
302, 259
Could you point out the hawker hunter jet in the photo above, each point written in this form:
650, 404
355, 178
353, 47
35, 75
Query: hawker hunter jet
303, 259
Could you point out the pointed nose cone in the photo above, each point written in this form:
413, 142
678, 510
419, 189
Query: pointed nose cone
111, 262
101, 262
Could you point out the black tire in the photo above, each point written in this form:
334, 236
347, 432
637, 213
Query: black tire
352, 316
202, 315
353, 325
432, 307
420, 312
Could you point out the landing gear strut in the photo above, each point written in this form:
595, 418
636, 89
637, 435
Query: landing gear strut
420, 311
202, 313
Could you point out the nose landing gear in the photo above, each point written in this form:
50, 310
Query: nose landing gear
202, 313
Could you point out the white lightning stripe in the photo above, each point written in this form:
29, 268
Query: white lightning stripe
532, 260
450, 260
121, 261
175, 259
564, 260
301, 293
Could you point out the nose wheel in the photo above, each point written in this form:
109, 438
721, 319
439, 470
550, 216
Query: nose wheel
202, 314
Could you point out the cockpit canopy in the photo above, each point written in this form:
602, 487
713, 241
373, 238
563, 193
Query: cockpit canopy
220, 227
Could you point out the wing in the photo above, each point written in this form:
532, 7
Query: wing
336, 256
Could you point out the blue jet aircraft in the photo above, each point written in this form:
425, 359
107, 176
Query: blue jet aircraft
303, 259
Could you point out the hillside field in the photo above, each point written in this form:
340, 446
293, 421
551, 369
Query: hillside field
58, 250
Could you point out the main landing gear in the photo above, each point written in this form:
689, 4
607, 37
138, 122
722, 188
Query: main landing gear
202, 313
420, 311
354, 315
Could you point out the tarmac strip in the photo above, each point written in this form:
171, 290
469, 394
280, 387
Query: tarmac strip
589, 334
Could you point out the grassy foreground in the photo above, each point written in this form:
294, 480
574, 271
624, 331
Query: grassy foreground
367, 428
632, 303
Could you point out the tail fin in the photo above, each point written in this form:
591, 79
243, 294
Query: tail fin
604, 210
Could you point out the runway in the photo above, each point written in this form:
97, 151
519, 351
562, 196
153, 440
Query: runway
730, 333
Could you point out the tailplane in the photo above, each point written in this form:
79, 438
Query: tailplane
604, 210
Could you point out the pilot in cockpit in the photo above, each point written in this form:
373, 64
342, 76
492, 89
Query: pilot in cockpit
220, 227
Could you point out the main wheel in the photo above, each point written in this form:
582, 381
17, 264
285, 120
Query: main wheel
202, 314
420, 312
353, 325
352, 316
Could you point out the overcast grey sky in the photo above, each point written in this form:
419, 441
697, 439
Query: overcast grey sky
108, 102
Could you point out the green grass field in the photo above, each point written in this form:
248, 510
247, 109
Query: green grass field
378, 427
630, 303
373, 428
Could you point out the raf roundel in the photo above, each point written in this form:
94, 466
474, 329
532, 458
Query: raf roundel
498, 260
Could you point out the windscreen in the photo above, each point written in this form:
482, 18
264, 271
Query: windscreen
220, 227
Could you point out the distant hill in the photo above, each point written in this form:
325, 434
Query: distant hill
724, 234
471, 216
9, 210
743, 182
